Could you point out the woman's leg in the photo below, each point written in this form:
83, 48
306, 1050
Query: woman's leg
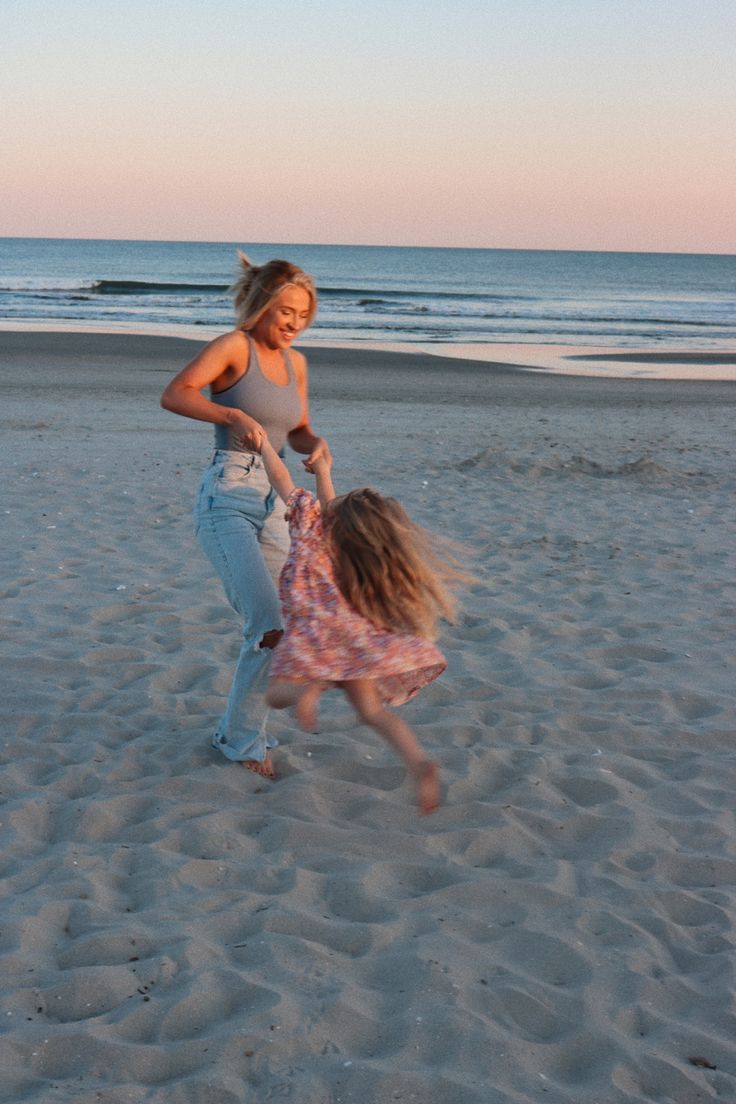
228, 528
425, 773
274, 537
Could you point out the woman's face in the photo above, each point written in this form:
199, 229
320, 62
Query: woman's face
285, 318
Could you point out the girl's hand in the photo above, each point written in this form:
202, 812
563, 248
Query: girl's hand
319, 456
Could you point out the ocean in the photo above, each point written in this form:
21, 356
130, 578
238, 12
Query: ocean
383, 294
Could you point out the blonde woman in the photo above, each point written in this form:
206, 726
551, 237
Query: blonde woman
362, 590
257, 391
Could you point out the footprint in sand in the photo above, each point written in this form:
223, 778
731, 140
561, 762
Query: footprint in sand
375, 778
694, 872
692, 707
106, 615
180, 679
215, 997
692, 911
401, 881
88, 992
594, 680
534, 1019
116, 818
586, 791
621, 658
105, 655
106, 950
546, 959
348, 899
346, 937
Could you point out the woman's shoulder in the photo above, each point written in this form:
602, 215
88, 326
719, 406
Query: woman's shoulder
226, 349
233, 341
222, 361
300, 363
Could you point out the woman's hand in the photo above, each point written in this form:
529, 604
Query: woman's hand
246, 432
320, 455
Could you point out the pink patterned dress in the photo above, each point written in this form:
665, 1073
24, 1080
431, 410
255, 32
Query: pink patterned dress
325, 638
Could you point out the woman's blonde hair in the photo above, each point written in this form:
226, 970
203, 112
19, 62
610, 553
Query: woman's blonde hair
388, 568
258, 286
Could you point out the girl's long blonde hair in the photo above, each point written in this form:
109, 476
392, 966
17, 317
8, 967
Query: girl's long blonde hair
387, 567
257, 286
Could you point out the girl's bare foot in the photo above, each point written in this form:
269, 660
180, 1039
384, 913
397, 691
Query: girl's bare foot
427, 786
306, 707
264, 768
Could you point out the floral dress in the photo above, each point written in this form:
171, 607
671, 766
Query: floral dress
325, 638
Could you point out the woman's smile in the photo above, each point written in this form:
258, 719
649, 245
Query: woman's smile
284, 320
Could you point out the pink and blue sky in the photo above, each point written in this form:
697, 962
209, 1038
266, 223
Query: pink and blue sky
569, 124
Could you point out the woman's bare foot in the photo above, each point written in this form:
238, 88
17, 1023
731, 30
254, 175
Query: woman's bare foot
427, 786
264, 768
306, 707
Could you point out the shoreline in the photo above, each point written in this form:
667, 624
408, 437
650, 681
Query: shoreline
587, 361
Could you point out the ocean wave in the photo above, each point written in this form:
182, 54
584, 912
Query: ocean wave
145, 287
602, 319
106, 287
378, 295
47, 283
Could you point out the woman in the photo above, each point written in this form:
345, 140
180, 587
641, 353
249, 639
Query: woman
258, 390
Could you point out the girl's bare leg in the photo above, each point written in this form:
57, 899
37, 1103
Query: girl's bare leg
425, 773
302, 697
284, 693
306, 707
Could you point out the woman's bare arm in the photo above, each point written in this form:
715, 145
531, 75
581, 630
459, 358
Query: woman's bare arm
218, 361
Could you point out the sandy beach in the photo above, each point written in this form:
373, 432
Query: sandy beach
178, 931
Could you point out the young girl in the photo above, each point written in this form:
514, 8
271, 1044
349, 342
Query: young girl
361, 593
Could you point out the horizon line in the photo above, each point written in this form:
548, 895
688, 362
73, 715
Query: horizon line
371, 245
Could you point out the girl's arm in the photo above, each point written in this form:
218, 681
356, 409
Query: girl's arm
280, 478
278, 474
325, 489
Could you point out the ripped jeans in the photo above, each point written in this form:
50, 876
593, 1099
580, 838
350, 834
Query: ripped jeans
239, 522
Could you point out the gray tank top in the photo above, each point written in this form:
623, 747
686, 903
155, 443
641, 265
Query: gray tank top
277, 408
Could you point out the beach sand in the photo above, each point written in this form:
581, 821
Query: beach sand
176, 930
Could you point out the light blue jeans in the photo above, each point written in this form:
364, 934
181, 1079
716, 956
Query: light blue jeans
239, 522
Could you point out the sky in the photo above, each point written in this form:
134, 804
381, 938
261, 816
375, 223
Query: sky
548, 124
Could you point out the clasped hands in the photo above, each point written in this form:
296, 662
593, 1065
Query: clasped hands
250, 434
